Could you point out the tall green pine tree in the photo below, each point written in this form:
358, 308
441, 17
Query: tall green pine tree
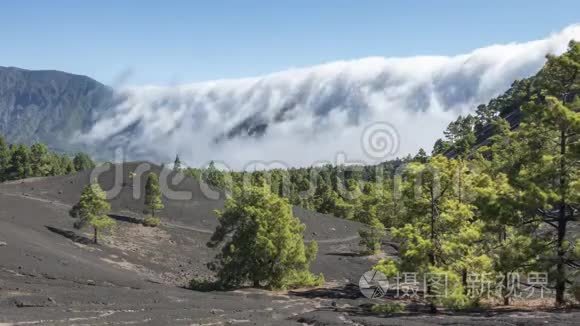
153, 194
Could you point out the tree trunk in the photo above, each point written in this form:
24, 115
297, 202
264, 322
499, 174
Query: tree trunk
433, 212
506, 298
432, 306
562, 221
256, 283
464, 280
95, 235
560, 267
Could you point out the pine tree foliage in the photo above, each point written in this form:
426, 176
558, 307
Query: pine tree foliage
40, 160
262, 243
549, 173
153, 194
19, 161
177, 164
92, 210
442, 232
82, 161
5, 157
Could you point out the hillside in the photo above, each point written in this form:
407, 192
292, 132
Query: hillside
48, 106
195, 216
51, 274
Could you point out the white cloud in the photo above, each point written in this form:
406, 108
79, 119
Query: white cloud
314, 113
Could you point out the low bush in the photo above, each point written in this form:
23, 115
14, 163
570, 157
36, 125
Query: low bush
388, 308
299, 279
151, 221
371, 236
204, 285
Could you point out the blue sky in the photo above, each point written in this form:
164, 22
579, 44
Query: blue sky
186, 41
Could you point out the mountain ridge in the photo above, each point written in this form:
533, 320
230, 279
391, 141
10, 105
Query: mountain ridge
48, 106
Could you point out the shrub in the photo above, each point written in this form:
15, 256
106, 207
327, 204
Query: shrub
262, 243
388, 267
388, 308
371, 236
151, 221
204, 285
298, 279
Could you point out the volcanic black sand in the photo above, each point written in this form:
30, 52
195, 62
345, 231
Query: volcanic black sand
51, 273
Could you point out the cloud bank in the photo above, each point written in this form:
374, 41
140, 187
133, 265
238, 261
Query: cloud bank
303, 116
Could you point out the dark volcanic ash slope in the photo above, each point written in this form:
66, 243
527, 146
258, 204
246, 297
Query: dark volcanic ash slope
50, 274
48, 106
47, 279
193, 221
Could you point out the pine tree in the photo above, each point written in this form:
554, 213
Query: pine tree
372, 236
177, 164
421, 156
367, 212
4, 159
153, 194
215, 178
40, 161
262, 242
549, 137
82, 161
485, 115
440, 147
92, 210
511, 239
441, 233
19, 167
67, 164
460, 135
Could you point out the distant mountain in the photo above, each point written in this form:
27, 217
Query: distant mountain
48, 106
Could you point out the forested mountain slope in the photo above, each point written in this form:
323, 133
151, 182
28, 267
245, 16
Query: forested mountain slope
48, 106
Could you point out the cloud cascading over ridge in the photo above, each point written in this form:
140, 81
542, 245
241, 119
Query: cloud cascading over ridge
303, 116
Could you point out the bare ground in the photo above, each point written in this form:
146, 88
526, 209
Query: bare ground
51, 274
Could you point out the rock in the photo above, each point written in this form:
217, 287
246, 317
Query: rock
34, 301
91, 282
215, 311
2, 244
